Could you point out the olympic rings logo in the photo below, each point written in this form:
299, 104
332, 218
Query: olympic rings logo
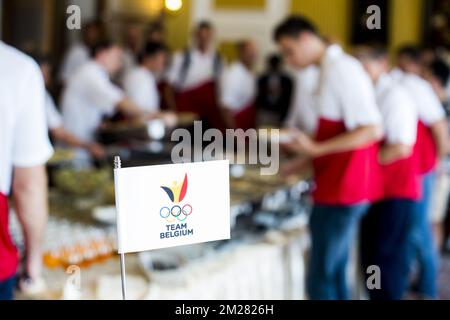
176, 213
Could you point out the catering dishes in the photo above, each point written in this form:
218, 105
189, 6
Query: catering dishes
81, 182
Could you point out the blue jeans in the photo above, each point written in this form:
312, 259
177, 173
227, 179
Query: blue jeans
7, 288
385, 234
332, 230
423, 247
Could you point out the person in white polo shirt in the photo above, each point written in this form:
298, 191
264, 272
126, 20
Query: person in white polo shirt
79, 53
193, 78
140, 83
54, 118
431, 147
343, 150
302, 114
90, 96
238, 88
387, 228
24, 150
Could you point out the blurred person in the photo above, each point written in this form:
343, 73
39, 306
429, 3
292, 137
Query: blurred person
302, 112
54, 118
141, 83
275, 89
79, 53
193, 78
156, 33
90, 95
431, 146
302, 115
132, 47
387, 228
24, 150
427, 56
343, 151
437, 74
238, 88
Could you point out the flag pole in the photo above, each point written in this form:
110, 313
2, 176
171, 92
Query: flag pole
118, 165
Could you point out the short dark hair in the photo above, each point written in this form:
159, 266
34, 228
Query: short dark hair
274, 61
412, 52
155, 27
440, 70
101, 45
293, 26
151, 49
371, 52
204, 24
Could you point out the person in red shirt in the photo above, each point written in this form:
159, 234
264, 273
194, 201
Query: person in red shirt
387, 227
431, 147
343, 150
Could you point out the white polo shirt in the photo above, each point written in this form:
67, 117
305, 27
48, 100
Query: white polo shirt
398, 112
427, 104
141, 87
54, 118
346, 93
238, 87
200, 70
75, 58
88, 97
23, 130
303, 112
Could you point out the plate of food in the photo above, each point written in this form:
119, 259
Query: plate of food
105, 215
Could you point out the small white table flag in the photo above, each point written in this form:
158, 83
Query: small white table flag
172, 205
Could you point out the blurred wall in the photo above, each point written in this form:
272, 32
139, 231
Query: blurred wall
333, 18
178, 25
406, 22
252, 19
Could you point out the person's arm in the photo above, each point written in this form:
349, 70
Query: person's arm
347, 141
297, 166
226, 97
394, 152
30, 195
433, 115
439, 130
60, 134
130, 109
228, 118
169, 97
172, 78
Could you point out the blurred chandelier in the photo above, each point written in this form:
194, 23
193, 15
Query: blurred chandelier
156, 7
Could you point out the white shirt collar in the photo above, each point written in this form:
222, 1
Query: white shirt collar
332, 52
100, 69
209, 52
383, 84
397, 73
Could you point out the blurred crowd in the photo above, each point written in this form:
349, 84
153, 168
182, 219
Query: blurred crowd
374, 132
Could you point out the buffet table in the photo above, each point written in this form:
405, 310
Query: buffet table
263, 260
